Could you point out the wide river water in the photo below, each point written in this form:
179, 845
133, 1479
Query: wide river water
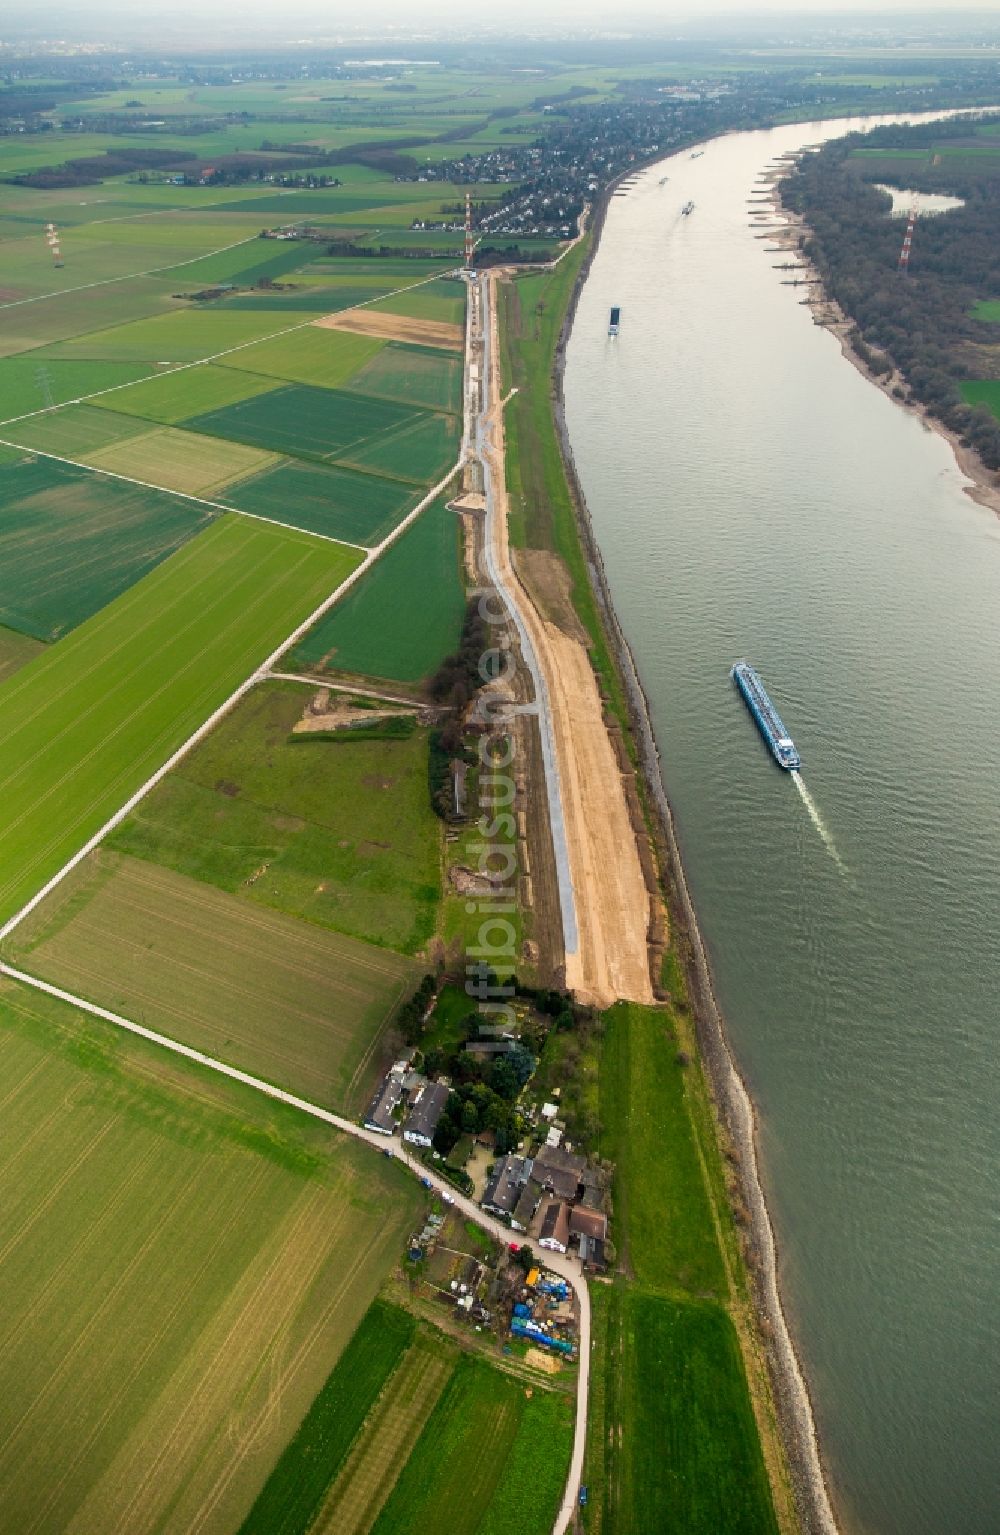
754, 495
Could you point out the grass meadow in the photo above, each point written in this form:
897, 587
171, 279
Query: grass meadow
299, 419
343, 831
673, 1443
25, 385
86, 722
405, 614
647, 1132
169, 1274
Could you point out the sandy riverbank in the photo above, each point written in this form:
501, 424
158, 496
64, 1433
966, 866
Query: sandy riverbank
733, 1103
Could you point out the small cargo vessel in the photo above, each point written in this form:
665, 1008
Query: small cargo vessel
768, 719
615, 320
688, 208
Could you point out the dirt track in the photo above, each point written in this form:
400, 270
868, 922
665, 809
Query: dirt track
612, 905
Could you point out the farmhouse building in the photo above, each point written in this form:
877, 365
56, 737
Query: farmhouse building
555, 1227
425, 1111
504, 1189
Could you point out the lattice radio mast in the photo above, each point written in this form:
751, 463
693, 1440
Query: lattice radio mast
904, 255
52, 239
469, 243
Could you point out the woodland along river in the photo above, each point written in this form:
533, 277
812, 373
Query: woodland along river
753, 495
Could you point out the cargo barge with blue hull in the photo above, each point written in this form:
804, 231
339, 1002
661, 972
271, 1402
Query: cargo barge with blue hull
768, 719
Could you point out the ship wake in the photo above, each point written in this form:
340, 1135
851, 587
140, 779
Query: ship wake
818, 822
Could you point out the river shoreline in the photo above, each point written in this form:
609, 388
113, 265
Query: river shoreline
733, 1103
984, 484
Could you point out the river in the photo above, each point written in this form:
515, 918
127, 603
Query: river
754, 495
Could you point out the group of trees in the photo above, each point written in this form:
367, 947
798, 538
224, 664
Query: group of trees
410, 1018
921, 323
483, 1098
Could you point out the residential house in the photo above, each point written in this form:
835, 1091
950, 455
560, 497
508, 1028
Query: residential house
381, 1114
559, 1171
588, 1223
504, 1189
425, 1111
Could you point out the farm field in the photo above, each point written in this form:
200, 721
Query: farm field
421, 451
404, 615
25, 386
673, 1442
441, 300
73, 430
298, 419
72, 541
294, 1492
185, 392
167, 1270
320, 498
16, 650
299, 1006
326, 358
139, 685
344, 828
184, 461
385, 1443
186, 335
414, 375
449, 1483
47, 324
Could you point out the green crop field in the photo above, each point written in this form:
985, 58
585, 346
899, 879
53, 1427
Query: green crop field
417, 375
294, 1492
139, 677
311, 355
421, 451
457, 1469
73, 430
441, 300
339, 503
71, 541
283, 999
186, 461
648, 1134
27, 385
170, 1273
344, 829
298, 419
987, 309
404, 615
186, 335
534, 1476
16, 650
48, 325
673, 1443
298, 301
173, 397
391, 1430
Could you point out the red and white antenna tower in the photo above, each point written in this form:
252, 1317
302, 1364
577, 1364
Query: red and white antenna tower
469, 245
52, 239
904, 255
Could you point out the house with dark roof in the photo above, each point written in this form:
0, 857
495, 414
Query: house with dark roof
554, 1231
504, 1189
426, 1108
381, 1112
523, 1212
559, 1171
588, 1223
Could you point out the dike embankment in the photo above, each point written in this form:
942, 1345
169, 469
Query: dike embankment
733, 1103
